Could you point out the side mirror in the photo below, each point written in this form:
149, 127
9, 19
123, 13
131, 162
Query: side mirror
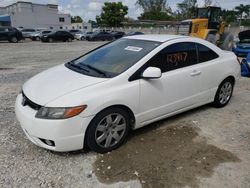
152, 73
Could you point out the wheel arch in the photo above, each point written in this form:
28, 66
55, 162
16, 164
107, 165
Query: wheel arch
230, 77
227, 77
125, 108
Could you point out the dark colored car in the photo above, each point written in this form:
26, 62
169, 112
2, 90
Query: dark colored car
242, 48
118, 34
63, 36
10, 34
135, 33
100, 36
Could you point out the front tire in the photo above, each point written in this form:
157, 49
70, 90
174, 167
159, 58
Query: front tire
108, 130
224, 93
50, 40
14, 39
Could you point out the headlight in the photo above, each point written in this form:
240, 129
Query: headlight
60, 112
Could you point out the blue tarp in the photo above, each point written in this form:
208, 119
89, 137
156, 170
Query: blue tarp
4, 18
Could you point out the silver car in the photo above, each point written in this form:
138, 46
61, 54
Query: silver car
27, 32
37, 35
82, 36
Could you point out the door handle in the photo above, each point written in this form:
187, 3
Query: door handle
195, 73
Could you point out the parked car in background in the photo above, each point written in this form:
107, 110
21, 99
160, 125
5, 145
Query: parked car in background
10, 34
63, 36
135, 33
27, 32
75, 31
94, 100
83, 35
37, 35
118, 34
242, 47
100, 36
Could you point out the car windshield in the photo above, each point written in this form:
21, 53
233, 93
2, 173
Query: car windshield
114, 58
44, 32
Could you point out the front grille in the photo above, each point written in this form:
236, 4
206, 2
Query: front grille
27, 102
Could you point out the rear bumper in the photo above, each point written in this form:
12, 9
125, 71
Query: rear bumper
67, 135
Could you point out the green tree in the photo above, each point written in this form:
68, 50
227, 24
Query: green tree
242, 9
229, 16
155, 10
187, 8
93, 23
76, 19
207, 3
112, 14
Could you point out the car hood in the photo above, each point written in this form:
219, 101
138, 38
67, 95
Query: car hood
56, 82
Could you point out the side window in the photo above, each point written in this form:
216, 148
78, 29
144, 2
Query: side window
205, 53
175, 56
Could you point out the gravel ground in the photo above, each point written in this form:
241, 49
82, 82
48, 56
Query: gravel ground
205, 147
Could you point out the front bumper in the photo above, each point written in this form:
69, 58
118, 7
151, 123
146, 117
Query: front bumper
67, 134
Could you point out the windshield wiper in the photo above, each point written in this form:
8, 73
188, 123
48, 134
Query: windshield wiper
71, 63
96, 70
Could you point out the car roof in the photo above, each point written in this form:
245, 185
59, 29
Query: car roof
156, 38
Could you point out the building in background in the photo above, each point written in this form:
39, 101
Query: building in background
84, 26
32, 15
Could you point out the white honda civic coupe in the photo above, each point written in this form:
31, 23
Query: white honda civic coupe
96, 99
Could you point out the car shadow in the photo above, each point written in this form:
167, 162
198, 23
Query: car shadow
163, 156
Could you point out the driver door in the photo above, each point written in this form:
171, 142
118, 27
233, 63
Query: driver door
58, 36
176, 89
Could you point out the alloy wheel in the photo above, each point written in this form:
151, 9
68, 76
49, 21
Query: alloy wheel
225, 92
110, 130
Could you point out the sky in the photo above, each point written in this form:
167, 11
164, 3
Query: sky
88, 9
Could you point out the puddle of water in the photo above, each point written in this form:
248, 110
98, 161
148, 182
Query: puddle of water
165, 157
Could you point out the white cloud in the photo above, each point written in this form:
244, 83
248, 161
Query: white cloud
95, 6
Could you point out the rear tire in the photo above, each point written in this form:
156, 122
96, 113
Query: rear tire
108, 130
224, 93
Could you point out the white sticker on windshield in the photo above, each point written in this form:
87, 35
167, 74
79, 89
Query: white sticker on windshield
133, 48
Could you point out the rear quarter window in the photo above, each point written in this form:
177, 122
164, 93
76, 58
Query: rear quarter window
205, 53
